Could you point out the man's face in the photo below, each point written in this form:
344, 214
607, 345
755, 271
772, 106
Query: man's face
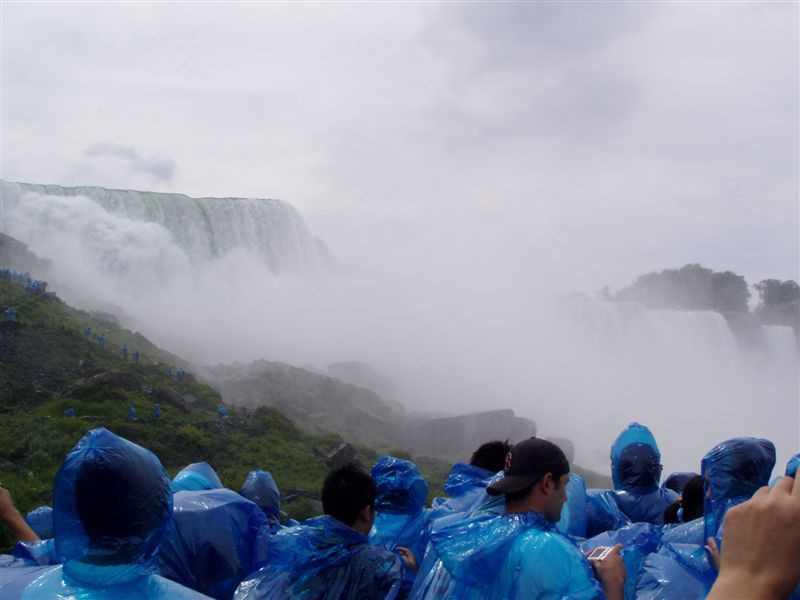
557, 499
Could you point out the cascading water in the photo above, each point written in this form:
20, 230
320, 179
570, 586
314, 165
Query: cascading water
203, 228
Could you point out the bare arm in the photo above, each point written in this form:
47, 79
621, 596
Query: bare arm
760, 545
12, 517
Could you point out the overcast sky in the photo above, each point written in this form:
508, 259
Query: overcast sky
574, 144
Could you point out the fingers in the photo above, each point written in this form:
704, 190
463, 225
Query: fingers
784, 485
761, 492
616, 549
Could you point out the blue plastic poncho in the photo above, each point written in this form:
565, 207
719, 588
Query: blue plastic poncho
675, 571
433, 581
638, 541
791, 466
692, 532
217, 538
400, 519
465, 485
636, 471
196, 477
112, 503
41, 521
573, 514
676, 481
324, 558
603, 513
260, 487
513, 556
37, 552
733, 471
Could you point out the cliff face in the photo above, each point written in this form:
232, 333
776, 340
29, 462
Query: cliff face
15, 255
318, 403
457, 437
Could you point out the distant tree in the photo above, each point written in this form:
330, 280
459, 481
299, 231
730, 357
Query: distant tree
729, 292
774, 291
779, 302
692, 287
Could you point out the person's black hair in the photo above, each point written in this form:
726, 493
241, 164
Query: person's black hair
693, 499
520, 494
671, 513
491, 455
345, 493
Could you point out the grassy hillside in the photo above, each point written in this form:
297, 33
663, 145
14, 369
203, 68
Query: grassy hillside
48, 364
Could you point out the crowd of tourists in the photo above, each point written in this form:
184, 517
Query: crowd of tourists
515, 523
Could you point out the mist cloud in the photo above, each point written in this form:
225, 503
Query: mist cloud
161, 170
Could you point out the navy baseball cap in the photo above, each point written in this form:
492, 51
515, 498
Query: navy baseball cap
527, 463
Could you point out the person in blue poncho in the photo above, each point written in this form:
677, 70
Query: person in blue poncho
216, 539
733, 470
195, 477
676, 481
329, 557
689, 506
112, 504
466, 486
400, 516
466, 483
636, 471
519, 554
260, 487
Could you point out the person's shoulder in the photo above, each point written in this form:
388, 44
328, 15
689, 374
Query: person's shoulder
551, 542
548, 563
378, 555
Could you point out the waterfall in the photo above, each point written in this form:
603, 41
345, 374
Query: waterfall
200, 228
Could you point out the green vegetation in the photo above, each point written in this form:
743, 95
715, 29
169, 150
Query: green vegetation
691, 287
779, 302
48, 364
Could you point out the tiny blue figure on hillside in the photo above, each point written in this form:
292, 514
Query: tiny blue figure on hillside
135, 355
9, 314
156, 411
124, 351
222, 411
102, 340
169, 372
70, 412
88, 332
181, 374
132, 413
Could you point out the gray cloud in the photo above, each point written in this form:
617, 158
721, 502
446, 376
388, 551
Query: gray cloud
161, 170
